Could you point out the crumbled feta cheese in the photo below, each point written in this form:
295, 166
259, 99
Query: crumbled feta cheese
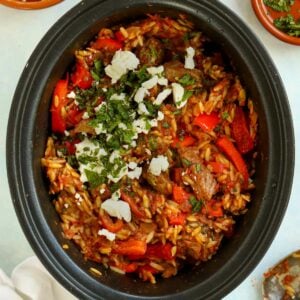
119, 209
85, 115
158, 164
118, 96
67, 133
122, 126
99, 129
140, 126
140, 94
142, 109
102, 191
148, 151
152, 82
135, 173
162, 81
114, 155
109, 235
162, 96
153, 122
76, 102
108, 137
189, 58
66, 205
160, 116
122, 62
178, 92
71, 95
77, 196
155, 70
104, 90
133, 144
132, 165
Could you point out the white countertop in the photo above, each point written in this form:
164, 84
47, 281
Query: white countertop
20, 31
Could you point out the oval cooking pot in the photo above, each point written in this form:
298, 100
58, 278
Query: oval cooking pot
28, 129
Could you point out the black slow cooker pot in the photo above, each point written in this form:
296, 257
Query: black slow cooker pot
29, 126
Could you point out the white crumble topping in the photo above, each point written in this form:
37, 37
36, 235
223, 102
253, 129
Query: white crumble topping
158, 164
189, 58
119, 209
162, 96
109, 235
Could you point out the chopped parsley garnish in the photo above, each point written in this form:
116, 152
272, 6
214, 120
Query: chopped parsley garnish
186, 80
165, 125
198, 168
186, 162
225, 115
97, 71
280, 5
94, 178
288, 25
196, 204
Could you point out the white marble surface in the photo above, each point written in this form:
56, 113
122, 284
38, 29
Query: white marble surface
20, 31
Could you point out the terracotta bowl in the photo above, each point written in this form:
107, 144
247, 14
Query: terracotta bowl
33, 4
266, 16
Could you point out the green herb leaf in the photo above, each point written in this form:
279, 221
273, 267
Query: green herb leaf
186, 162
225, 115
196, 204
165, 125
280, 5
186, 80
198, 168
288, 25
94, 178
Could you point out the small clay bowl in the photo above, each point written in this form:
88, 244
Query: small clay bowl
267, 15
33, 4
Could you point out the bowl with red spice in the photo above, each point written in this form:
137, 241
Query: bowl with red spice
280, 18
143, 148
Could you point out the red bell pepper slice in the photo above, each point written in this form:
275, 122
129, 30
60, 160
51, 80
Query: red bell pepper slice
240, 132
119, 36
82, 77
179, 194
108, 223
213, 208
186, 141
177, 175
159, 250
217, 167
178, 219
225, 145
59, 100
128, 267
130, 247
134, 208
207, 122
107, 44
74, 115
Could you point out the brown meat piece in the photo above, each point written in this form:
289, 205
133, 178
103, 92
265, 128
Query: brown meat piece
161, 183
151, 53
190, 154
175, 70
202, 181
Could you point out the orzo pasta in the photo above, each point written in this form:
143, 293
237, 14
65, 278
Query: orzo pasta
151, 152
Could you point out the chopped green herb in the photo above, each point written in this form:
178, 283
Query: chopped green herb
186, 162
177, 112
198, 168
196, 204
186, 80
187, 94
288, 25
280, 5
153, 52
114, 187
94, 178
225, 115
152, 143
165, 125
98, 70
186, 36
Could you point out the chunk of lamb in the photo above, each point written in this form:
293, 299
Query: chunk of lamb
201, 181
175, 70
151, 53
161, 183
